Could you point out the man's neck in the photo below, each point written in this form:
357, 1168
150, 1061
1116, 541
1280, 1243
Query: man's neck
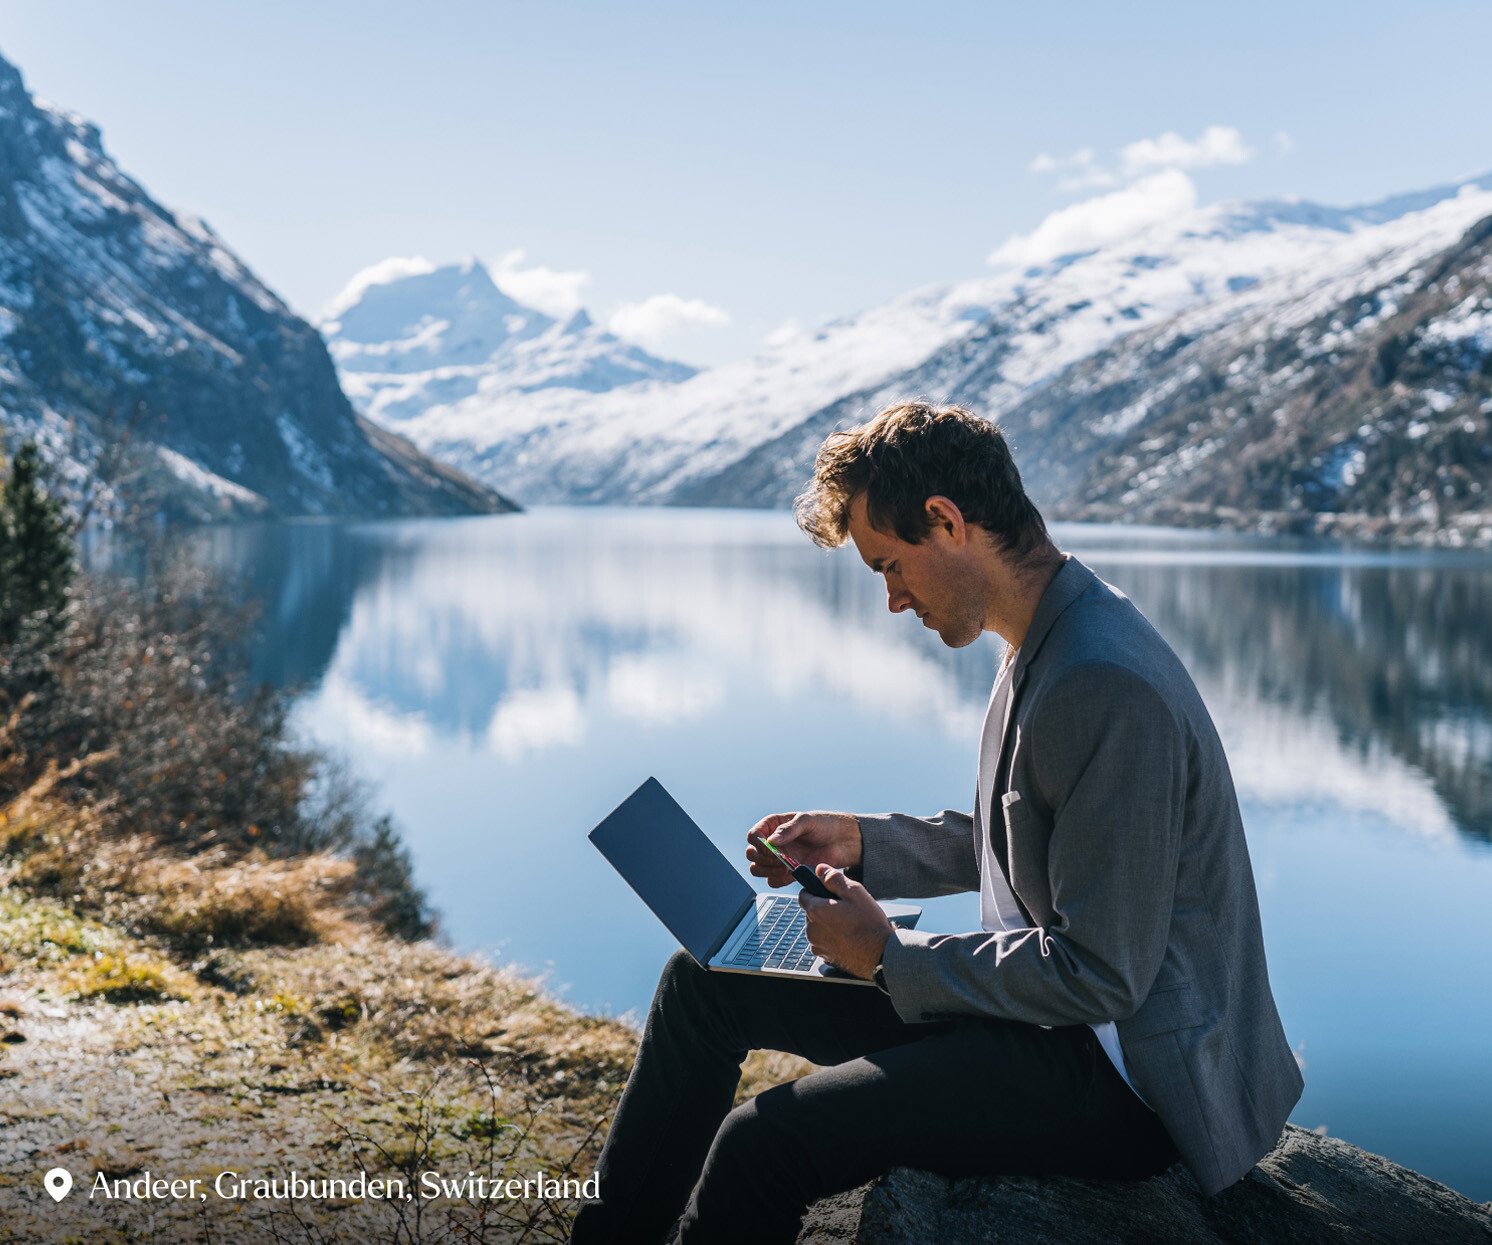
1015, 607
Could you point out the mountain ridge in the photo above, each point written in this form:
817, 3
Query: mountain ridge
744, 433
122, 319
409, 336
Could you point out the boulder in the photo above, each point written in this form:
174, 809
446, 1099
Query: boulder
1308, 1189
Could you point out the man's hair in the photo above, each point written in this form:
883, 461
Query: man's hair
912, 451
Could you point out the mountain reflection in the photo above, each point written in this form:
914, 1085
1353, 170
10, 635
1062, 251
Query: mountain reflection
1397, 659
1365, 680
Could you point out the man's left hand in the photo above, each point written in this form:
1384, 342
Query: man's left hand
849, 930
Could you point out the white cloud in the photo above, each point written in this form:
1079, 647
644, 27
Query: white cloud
551, 291
1283, 143
1218, 144
1103, 219
654, 320
381, 273
1082, 158
788, 330
1088, 179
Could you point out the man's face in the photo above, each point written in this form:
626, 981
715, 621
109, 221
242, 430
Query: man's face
936, 578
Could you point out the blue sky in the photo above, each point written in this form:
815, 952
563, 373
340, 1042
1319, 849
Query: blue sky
708, 172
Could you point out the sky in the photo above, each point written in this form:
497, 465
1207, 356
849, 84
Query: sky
702, 176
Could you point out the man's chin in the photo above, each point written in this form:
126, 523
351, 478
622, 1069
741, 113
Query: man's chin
954, 639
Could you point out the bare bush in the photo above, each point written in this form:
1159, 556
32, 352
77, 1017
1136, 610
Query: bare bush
142, 709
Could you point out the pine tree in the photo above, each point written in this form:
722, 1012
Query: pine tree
36, 554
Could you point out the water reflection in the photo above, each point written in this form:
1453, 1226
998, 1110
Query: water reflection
1396, 658
515, 632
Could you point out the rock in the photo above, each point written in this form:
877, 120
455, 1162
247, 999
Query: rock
1309, 1189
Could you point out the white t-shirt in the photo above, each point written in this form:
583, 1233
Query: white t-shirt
998, 909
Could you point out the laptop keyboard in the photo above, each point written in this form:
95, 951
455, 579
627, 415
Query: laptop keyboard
780, 939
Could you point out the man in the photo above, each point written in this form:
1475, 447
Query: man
1114, 1009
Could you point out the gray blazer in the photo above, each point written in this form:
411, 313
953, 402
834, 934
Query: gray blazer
1126, 848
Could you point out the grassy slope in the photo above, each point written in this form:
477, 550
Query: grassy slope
130, 1042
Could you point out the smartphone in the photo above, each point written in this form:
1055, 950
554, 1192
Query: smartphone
804, 874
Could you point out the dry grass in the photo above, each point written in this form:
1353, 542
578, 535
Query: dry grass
211, 899
190, 1015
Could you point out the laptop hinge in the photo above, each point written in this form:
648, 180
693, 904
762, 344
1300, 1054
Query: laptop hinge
729, 929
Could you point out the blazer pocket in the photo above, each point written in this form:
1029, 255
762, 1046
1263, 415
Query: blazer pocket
1165, 1011
1026, 855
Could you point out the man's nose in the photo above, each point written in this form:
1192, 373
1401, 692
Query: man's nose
897, 598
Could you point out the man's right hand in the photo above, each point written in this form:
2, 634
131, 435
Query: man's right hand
814, 838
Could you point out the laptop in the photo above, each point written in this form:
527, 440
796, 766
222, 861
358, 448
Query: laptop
706, 904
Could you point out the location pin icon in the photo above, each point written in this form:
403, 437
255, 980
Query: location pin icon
59, 1182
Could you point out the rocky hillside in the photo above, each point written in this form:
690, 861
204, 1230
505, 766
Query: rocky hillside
121, 318
1371, 415
1151, 424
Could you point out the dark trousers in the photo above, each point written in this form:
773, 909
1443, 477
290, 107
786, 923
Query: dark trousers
964, 1097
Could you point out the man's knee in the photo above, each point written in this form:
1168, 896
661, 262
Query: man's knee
760, 1126
742, 1143
687, 994
680, 967
682, 981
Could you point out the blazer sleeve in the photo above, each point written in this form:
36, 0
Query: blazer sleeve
1110, 761
905, 857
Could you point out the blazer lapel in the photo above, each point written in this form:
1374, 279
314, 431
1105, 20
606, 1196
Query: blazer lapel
1070, 582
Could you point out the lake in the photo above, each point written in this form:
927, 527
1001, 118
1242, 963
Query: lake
506, 681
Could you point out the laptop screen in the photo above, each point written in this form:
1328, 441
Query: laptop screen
668, 860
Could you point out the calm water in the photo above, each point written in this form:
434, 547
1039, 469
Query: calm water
506, 681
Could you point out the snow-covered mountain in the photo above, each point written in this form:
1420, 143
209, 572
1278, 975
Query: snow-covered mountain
117, 313
409, 337
745, 433
1358, 406
1260, 269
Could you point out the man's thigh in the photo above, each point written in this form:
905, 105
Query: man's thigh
974, 1097
824, 1022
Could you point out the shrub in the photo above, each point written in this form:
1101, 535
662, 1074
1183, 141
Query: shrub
136, 699
119, 978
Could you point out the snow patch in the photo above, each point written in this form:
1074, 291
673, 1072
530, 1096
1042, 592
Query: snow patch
199, 477
384, 272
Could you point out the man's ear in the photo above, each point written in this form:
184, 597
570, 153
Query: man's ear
942, 512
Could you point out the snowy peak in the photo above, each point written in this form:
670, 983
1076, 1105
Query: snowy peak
409, 337
443, 317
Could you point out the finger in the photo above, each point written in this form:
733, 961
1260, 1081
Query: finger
836, 880
763, 864
788, 829
766, 825
773, 878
